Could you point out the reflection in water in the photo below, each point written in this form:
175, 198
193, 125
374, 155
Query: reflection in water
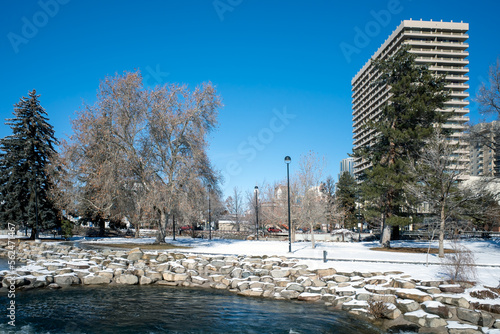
160, 309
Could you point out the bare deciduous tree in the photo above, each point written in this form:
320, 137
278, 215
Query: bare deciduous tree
438, 172
312, 209
488, 97
134, 149
234, 205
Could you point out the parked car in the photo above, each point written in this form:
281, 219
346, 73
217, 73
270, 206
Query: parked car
273, 230
186, 228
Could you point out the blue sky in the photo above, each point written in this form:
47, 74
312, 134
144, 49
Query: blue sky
278, 65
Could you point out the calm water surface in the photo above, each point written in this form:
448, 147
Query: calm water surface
160, 309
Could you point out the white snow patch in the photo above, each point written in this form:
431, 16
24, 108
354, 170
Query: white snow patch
459, 325
422, 314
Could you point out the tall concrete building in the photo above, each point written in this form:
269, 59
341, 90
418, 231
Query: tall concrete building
347, 166
440, 45
485, 150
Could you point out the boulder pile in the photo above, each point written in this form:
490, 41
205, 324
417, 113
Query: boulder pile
430, 306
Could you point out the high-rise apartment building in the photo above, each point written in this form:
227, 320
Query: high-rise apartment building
347, 166
440, 45
485, 150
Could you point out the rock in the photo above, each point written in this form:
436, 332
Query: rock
281, 282
289, 294
434, 284
173, 277
318, 283
145, 280
414, 294
54, 286
246, 274
95, 279
304, 281
226, 269
354, 304
424, 319
492, 308
255, 285
429, 289
78, 265
242, 286
127, 279
295, 287
380, 289
216, 278
340, 278
347, 291
496, 324
135, 254
66, 279
162, 258
251, 292
455, 327
236, 273
218, 263
391, 312
469, 315
329, 298
324, 272
341, 300
437, 308
309, 297
198, 280
487, 319
138, 272
403, 284
280, 273
115, 265
452, 300
451, 288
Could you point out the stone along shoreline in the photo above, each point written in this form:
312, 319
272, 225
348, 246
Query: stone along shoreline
390, 299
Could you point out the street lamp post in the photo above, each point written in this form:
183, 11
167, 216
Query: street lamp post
256, 191
287, 161
209, 217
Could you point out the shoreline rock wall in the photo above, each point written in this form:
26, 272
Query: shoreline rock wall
430, 306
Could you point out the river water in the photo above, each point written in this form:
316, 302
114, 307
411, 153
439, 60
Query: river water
161, 309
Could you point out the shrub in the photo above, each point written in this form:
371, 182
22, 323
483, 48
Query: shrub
378, 308
484, 294
460, 265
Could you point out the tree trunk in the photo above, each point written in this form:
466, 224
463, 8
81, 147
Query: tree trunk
395, 233
313, 242
33, 233
162, 227
385, 239
137, 230
441, 231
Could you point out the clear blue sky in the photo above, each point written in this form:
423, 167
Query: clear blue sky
278, 65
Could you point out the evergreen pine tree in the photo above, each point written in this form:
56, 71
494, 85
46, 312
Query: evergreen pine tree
345, 194
24, 157
405, 123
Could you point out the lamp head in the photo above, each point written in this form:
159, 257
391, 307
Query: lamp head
288, 159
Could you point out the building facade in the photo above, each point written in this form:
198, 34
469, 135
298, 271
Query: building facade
347, 166
485, 150
440, 45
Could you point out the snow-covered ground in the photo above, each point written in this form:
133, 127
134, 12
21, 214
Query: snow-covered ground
349, 256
